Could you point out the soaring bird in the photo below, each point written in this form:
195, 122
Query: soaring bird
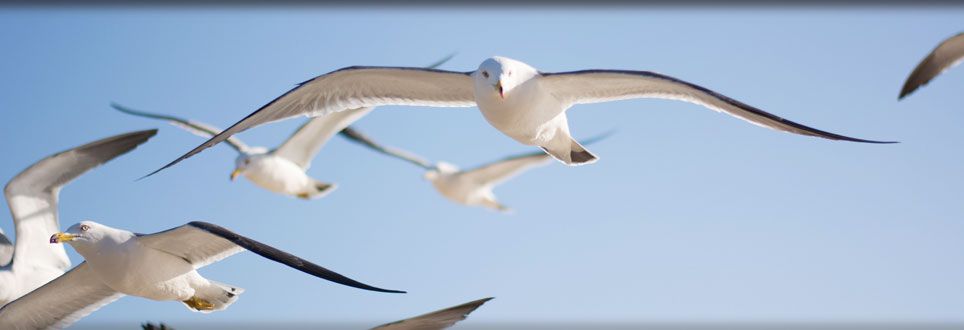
948, 54
436, 320
282, 170
160, 266
472, 187
523, 103
32, 196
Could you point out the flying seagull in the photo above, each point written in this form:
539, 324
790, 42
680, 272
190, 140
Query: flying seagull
281, 170
436, 320
160, 266
948, 54
32, 196
472, 187
515, 98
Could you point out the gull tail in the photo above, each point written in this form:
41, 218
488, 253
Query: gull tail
214, 297
320, 189
568, 151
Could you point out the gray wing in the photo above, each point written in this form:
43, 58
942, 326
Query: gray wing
592, 86
193, 127
32, 195
202, 243
435, 320
498, 171
356, 87
6, 249
60, 302
948, 54
302, 146
356, 136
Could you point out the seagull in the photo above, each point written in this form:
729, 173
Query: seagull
947, 55
436, 320
281, 170
472, 187
523, 103
32, 196
160, 266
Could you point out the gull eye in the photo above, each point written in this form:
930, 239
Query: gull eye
84, 227
485, 74
247, 161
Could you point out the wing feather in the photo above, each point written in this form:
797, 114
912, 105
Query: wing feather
355, 136
193, 127
592, 86
32, 194
948, 54
203, 243
305, 143
59, 303
356, 87
436, 320
498, 171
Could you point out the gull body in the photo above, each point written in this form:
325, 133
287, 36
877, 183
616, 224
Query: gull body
160, 266
33, 197
523, 103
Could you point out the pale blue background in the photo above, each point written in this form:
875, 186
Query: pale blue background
689, 215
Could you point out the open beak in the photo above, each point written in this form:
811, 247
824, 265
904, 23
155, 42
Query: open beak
62, 238
235, 174
498, 87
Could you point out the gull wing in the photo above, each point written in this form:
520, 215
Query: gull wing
947, 55
435, 320
354, 135
202, 243
193, 127
305, 143
32, 195
59, 303
356, 87
593, 86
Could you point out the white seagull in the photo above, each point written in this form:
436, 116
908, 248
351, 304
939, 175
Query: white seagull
515, 98
472, 187
947, 55
282, 170
160, 266
32, 196
436, 320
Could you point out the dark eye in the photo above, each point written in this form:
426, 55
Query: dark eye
247, 161
84, 227
485, 74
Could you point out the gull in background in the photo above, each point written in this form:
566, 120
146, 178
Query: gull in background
32, 196
472, 187
948, 54
160, 266
282, 170
523, 103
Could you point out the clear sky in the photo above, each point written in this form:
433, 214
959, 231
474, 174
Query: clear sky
689, 215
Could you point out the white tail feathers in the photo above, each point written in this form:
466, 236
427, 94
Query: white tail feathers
568, 151
215, 297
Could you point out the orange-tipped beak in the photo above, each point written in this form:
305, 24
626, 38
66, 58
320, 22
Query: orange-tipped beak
235, 174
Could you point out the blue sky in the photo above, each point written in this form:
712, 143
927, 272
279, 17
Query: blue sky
689, 215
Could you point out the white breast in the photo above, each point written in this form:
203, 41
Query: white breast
526, 114
278, 175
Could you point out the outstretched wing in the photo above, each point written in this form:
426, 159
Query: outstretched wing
193, 127
354, 135
356, 87
436, 320
592, 86
59, 303
948, 54
302, 146
32, 195
202, 243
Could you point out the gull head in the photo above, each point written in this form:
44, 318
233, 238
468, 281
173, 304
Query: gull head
245, 160
84, 232
441, 168
501, 75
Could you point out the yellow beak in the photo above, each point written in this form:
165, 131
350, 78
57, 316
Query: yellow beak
62, 238
235, 174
